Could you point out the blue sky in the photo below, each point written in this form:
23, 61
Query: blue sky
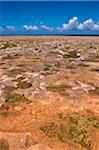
50, 17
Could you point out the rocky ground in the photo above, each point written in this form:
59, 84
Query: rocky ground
49, 93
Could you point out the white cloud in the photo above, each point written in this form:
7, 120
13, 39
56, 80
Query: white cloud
1, 29
30, 27
11, 28
90, 24
47, 28
80, 26
74, 25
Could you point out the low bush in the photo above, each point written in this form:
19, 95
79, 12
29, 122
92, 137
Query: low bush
14, 72
24, 84
72, 54
13, 97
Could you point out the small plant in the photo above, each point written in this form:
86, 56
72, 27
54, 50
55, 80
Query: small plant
14, 72
62, 134
53, 130
19, 79
46, 67
24, 85
6, 45
5, 113
4, 145
50, 129
13, 97
61, 89
80, 128
62, 116
72, 54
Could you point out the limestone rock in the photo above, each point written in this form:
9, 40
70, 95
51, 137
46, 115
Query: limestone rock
17, 108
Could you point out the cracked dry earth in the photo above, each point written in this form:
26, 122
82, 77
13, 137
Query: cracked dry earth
45, 83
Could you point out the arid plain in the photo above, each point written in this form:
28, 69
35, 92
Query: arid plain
49, 93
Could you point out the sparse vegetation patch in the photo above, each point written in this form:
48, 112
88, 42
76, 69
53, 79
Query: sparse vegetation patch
72, 54
80, 128
46, 67
14, 72
61, 89
54, 131
24, 84
7, 113
77, 128
49, 69
7, 45
13, 97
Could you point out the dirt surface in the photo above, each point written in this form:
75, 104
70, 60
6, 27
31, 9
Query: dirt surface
41, 80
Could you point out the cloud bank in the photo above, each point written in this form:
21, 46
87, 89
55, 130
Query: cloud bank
30, 27
46, 28
72, 25
88, 24
11, 28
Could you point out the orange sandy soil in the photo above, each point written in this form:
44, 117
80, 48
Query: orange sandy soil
20, 121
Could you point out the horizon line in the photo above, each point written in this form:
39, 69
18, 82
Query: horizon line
50, 35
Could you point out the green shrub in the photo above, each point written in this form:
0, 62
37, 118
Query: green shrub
80, 128
72, 54
13, 97
53, 130
14, 72
6, 45
24, 85
61, 89
6, 113
46, 67
62, 116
